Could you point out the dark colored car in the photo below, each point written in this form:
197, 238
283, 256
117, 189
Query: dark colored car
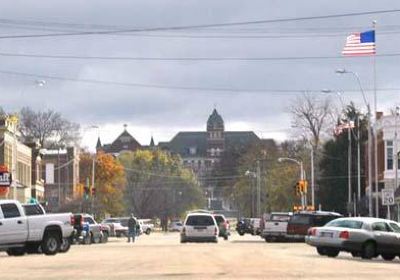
223, 226
244, 226
300, 222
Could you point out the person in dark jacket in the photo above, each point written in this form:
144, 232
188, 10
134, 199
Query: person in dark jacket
132, 228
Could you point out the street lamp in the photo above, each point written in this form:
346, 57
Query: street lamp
344, 71
349, 130
302, 176
253, 175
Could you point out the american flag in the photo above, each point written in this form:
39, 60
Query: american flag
340, 127
360, 44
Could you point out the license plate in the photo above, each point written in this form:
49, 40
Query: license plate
199, 228
327, 234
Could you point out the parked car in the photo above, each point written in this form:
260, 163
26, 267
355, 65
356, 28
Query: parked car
255, 226
244, 226
175, 225
364, 237
275, 226
116, 229
199, 227
300, 222
223, 226
89, 231
21, 233
146, 226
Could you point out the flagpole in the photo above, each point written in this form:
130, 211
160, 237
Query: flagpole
375, 131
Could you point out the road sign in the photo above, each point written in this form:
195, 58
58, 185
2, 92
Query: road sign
387, 197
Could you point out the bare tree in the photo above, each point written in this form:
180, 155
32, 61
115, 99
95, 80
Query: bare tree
47, 127
310, 115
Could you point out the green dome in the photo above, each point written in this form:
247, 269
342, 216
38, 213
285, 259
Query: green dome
215, 121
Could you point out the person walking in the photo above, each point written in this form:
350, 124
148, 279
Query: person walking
131, 228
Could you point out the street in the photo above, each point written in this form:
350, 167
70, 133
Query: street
161, 256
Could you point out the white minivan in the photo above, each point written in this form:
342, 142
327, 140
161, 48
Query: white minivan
199, 227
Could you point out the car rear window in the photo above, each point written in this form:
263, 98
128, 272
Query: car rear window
345, 224
279, 218
300, 219
200, 221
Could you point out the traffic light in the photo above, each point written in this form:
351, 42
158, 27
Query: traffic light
297, 188
85, 192
93, 191
303, 185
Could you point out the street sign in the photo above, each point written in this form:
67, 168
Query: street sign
387, 197
5, 176
5, 180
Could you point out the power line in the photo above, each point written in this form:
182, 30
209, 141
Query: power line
131, 58
189, 88
196, 26
255, 35
61, 26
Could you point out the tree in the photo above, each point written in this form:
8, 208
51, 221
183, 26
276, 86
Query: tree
277, 179
109, 183
48, 127
310, 115
333, 190
158, 185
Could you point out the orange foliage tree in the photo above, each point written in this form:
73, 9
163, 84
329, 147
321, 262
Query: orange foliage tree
109, 183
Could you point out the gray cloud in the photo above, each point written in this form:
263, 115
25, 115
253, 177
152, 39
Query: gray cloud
168, 109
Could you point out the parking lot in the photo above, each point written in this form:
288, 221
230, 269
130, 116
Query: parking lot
161, 256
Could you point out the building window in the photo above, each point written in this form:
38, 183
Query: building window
389, 155
192, 150
212, 152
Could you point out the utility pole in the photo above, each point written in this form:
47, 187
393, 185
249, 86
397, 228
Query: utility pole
396, 156
93, 186
312, 178
59, 177
349, 166
14, 122
358, 160
258, 189
303, 195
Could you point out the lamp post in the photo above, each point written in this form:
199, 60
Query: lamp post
349, 127
253, 175
396, 157
344, 71
302, 176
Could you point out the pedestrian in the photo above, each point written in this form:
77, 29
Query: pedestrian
131, 228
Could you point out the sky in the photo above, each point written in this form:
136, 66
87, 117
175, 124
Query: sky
166, 81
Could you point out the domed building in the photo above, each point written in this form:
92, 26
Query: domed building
202, 150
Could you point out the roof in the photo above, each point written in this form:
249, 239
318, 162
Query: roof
125, 141
215, 121
184, 141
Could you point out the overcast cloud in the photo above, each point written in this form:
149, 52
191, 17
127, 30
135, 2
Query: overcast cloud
162, 112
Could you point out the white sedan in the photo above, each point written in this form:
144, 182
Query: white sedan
361, 236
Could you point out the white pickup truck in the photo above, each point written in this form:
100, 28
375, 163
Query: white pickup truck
20, 233
275, 226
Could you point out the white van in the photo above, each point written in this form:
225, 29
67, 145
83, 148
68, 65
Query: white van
199, 227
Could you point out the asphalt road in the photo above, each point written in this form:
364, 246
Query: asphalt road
161, 256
